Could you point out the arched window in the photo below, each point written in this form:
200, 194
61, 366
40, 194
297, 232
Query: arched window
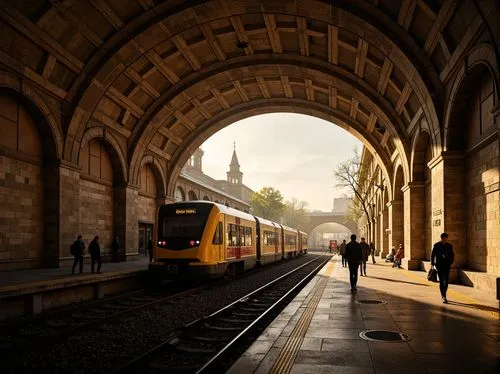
179, 194
192, 196
148, 180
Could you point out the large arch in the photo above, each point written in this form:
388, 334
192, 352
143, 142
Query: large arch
112, 146
348, 19
28, 155
271, 106
480, 57
472, 139
50, 127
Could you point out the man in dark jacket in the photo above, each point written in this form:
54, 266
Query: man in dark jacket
95, 254
77, 250
442, 257
365, 248
354, 255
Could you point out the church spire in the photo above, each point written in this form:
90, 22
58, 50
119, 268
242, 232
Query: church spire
234, 175
234, 166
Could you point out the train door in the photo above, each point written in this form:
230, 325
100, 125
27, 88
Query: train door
282, 239
218, 240
258, 242
276, 243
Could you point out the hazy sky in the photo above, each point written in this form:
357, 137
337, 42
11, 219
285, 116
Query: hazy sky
293, 153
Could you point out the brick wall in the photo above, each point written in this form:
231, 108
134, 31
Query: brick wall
21, 214
96, 213
483, 226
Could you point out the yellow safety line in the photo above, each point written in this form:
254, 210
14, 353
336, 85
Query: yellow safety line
286, 358
457, 295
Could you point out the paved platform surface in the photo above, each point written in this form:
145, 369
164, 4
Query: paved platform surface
30, 276
318, 332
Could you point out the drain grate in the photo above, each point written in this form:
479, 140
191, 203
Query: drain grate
365, 301
384, 336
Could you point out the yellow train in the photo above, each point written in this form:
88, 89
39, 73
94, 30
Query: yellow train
199, 239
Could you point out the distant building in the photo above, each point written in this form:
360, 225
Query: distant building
340, 204
193, 184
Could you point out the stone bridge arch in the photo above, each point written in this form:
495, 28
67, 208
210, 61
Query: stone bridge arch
316, 219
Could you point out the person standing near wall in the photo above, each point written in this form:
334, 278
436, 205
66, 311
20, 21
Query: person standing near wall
77, 250
442, 257
95, 254
354, 255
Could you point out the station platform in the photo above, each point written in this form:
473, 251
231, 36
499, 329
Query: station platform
31, 291
319, 331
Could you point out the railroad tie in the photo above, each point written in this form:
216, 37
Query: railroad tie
286, 358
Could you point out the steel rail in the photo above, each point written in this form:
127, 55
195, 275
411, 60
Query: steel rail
143, 357
208, 365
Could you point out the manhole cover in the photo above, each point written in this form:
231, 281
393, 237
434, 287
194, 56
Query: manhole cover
384, 336
371, 302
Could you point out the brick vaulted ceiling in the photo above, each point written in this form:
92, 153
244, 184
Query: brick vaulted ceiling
164, 76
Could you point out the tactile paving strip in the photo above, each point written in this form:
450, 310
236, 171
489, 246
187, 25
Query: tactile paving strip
286, 358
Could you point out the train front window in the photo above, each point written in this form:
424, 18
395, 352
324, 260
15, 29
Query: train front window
181, 225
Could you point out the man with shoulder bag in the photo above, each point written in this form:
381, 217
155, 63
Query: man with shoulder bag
442, 257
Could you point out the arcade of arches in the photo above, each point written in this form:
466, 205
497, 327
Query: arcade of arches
103, 102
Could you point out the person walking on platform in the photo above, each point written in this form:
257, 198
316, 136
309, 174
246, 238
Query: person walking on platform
77, 250
372, 250
442, 257
150, 250
366, 254
95, 254
342, 253
354, 255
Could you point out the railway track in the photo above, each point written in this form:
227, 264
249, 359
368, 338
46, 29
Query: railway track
54, 327
204, 345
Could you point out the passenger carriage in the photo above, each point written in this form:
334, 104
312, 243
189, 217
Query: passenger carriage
202, 239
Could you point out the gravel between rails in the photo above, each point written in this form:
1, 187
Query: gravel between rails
109, 346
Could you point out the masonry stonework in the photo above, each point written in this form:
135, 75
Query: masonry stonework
126, 223
483, 224
414, 221
96, 213
21, 214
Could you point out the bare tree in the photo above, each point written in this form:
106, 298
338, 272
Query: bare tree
351, 175
295, 214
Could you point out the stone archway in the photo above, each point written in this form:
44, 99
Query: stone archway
472, 165
316, 219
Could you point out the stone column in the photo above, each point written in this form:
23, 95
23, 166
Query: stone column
414, 224
383, 243
396, 233
61, 212
449, 205
126, 226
